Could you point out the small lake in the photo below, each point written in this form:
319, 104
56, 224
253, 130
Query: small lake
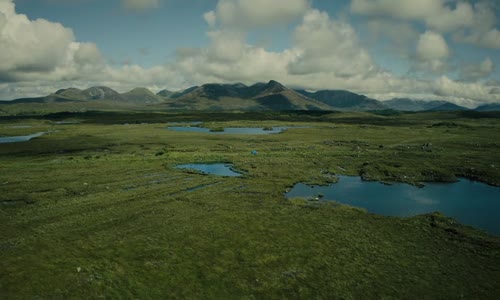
20, 138
230, 130
213, 169
471, 203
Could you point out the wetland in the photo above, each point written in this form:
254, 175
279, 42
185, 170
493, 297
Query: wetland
96, 206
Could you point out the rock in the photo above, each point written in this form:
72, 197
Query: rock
427, 147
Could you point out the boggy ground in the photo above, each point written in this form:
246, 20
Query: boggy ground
97, 209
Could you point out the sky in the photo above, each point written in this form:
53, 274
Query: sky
425, 49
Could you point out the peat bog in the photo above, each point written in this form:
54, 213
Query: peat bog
99, 209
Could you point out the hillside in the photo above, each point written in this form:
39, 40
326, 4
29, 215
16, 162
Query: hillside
489, 107
405, 104
260, 96
141, 96
344, 100
216, 96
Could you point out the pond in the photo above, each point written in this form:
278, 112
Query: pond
231, 130
472, 203
213, 169
20, 138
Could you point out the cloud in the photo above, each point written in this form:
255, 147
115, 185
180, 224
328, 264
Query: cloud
401, 34
325, 45
321, 45
446, 19
39, 57
140, 5
42, 49
326, 54
472, 23
432, 46
30, 46
432, 52
486, 39
477, 71
400, 9
248, 14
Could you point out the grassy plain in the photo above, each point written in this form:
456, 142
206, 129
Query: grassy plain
97, 209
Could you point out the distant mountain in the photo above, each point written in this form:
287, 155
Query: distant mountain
344, 100
214, 96
448, 106
40, 100
141, 96
489, 107
406, 104
72, 93
165, 93
93, 93
260, 96
179, 94
101, 92
215, 91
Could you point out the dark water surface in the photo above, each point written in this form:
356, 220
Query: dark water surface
471, 203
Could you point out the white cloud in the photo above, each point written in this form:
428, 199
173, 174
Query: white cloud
36, 54
248, 14
432, 52
471, 23
210, 18
326, 54
400, 33
227, 46
30, 46
447, 19
330, 46
140, 4
401, 9
486, 39
477, 71
321, 46
432, 46
41, 49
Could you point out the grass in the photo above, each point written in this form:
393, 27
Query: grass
93, 210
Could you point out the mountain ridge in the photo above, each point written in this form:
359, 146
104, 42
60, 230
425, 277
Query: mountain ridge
229, 96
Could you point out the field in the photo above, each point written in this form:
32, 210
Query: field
98, 209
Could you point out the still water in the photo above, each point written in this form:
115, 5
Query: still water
214, 169
472, 203
20, 138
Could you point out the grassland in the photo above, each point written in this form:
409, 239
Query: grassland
97, 209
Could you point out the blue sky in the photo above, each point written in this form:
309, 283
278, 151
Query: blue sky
426, 49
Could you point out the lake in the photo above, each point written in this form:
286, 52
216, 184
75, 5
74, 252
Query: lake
213, 169
471, 203
230, 130
20, 138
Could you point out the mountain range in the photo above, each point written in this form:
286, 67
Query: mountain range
260, 96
